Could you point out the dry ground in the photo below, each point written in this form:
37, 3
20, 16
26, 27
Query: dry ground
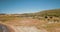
32, 25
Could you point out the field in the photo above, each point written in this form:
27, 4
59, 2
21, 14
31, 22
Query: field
44, 21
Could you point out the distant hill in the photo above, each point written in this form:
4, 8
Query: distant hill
54, 12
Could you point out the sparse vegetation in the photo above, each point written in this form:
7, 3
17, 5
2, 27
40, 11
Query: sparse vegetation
49, 15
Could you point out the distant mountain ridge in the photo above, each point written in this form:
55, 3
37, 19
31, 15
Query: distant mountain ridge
53, 12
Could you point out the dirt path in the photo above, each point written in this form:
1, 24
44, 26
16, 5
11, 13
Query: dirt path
27, 26
3, 28
28, 29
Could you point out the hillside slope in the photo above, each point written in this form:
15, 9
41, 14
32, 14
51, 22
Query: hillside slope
54, 12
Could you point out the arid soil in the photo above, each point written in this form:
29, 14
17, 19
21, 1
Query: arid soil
31, 25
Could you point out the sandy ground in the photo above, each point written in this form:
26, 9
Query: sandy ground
25, 26
28, 25
28, 29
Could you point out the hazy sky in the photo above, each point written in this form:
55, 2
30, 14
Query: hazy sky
27, 6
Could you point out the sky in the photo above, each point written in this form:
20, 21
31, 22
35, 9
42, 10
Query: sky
27, 6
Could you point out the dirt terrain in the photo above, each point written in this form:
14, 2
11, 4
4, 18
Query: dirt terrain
32, 25
45, 21
26, 25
